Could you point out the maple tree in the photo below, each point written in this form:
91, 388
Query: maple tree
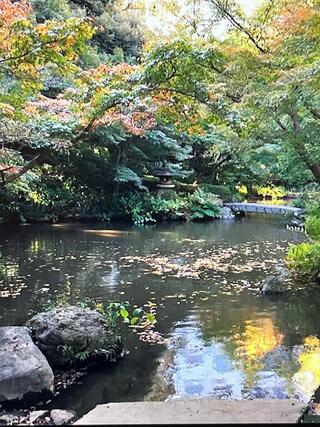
241, 110
26, 47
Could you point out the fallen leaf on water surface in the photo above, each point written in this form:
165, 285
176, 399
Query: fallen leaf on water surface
4, 294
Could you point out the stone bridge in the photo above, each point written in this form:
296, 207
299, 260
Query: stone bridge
263, 208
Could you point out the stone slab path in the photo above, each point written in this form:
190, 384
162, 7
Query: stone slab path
196, 411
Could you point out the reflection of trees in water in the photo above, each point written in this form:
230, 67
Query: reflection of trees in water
297, 315
54, 271
249, 341
251, 337
255, 228
307, 378
76, 265
259, 338
91, 283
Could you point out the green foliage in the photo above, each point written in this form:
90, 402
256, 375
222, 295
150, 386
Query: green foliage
135, 318
304, 260
222, 191
307, 197
119, 29
72, 354
203, 205
112, 336
27, 48
312, 226
126, 175
219, 114
137, 206
300, 202
312, 223
32, 199
51, 9
119, 35
145, 207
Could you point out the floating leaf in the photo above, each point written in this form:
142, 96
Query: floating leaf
134, 320
124, 313
137, 312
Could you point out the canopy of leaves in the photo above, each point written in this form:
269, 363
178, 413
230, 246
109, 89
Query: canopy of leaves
83, 102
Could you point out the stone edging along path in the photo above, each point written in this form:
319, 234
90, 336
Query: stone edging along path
263, 208
196, 411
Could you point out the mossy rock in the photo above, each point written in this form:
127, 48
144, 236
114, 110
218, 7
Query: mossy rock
73, 335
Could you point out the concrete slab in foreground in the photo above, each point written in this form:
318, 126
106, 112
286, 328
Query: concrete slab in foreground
196, 411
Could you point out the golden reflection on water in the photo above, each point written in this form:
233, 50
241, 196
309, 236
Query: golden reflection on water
97, 232
108, 233
35, 246
308, 376
259, 337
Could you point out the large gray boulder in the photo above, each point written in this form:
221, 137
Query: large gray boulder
276, 283
24, 370
71, 334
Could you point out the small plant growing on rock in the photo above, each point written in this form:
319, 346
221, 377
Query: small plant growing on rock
70, 353
141, 320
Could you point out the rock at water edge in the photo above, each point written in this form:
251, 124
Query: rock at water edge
24, 370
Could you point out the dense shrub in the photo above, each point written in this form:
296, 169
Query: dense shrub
34, 199
203, 205
312, 224
270, 191
304, 260
223, 191
145, 207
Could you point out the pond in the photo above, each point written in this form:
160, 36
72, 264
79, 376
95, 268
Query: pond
225, 340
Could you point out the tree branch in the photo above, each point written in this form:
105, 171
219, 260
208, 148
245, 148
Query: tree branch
225, 12
315, 113
49, 43
14, 176
280, 124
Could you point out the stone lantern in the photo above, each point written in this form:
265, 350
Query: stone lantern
165, 179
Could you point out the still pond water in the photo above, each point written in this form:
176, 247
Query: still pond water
225, 340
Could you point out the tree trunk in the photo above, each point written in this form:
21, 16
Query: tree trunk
214, 175
315, 169
313, 166
249, 186
14, 176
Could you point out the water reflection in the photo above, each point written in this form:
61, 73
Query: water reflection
200, 369
259, 337
225, 340
252, 365
307, 379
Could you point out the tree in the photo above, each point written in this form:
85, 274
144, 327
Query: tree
255, 81
25, 49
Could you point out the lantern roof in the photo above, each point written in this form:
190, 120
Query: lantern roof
163, 172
